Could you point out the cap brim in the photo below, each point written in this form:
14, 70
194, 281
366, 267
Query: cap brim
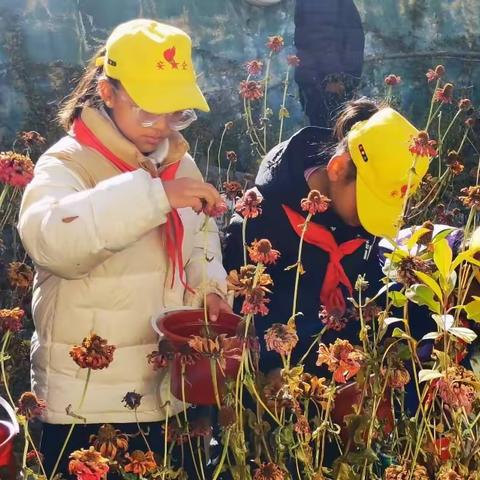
163, 98
377, 216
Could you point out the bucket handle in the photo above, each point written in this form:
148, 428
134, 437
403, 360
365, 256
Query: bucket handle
11, 413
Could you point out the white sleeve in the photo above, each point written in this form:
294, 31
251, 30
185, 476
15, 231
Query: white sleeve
68, 229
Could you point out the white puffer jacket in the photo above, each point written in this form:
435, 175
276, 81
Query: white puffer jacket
96, 239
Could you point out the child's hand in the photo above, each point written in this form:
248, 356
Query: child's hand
187, 192
215, 305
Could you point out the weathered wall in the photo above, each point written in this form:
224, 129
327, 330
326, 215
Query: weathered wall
45, 42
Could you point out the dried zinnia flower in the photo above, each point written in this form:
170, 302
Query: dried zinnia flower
471, 199
93, 353
313, 388
34, 458
281, 338
268, 471
403, 472
140, 463
132, 400
231, 156
302, 427
341, 358
20, 275
226, 416
255, 302
11, 319
30, 406
109, 441
293, 60
398, 375
456, 390
251, 90
88, 464
392, 80
254, 67
455, 166
232, 189
249, 205
433, 75
332, 321
422, 146
315, 202
275, 43
242, 283
15, 169
406, 269
30, 138
219, 348
449, 475
470, 122
161, 358
445, 94
261, 251
465, 104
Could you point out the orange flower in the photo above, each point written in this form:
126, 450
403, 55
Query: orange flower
254, 67
261, 251
242, 283
11, 319
471, 199
216, 210
219, 348
445, 94
268, 471
422, 145
341, 358
433, 75
88, 464
315, 202
392, 80
33, 458
109, 441
248, 205
255, 302
313, 388
251, 90
398, 376
30, 406
454, 162
160, 358
140, 463
293, 60
93, 353
15, 169
281, 338
232, 189
20, 275
275, 43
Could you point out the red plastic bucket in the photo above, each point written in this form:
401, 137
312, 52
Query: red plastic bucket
8, 430
178, 327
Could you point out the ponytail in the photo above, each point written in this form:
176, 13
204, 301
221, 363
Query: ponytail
84, 94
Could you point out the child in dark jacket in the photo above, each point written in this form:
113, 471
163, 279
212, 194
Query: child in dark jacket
367, 176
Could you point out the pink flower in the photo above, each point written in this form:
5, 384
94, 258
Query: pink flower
315, 202
433, 75
254, 67
15, 169
392, 80
293, 60
275, 43
216, 210
445, 94
251, 90
248, 205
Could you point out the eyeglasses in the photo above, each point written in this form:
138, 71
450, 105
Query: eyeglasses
176, 120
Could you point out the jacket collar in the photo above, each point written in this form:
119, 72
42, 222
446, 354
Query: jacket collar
107, 132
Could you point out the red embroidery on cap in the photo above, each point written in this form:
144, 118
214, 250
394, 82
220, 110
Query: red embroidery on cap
403, 191
169, 56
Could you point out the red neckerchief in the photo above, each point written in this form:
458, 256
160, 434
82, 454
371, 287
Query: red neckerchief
331, 295
174, 226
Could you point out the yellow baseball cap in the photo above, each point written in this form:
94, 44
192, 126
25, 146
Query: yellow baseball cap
379, 148
153, 62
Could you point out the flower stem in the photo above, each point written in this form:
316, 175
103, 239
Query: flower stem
142, 433
218, 470
265, 113
6, 338
282, 108
72, 426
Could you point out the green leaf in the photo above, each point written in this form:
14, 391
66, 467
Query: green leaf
443, 234
442, 256
444, 322
398, 299
427, 375
399, 333
463, 333
429, 281
473, 309
423, 295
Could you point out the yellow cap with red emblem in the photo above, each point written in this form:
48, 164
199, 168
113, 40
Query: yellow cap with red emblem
153, 62
386, 169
